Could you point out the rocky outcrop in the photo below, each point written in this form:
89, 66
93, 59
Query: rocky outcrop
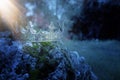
40, 61
14, 63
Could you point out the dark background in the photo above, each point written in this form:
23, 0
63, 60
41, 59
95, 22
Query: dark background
99, 20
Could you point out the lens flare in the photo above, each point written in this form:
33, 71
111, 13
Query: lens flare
10, 13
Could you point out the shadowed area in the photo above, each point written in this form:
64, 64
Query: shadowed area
103, 56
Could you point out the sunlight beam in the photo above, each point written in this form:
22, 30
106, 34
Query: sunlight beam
10, 13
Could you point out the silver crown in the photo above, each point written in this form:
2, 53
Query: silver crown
40, 35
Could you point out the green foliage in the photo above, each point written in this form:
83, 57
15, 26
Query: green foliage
38, 48
33, 50
45, 63
42, 73
44, 66
47, 44
44, 44
34, 74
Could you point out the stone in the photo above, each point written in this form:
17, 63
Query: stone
54, 64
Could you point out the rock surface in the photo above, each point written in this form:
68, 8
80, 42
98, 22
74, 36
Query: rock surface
49, 63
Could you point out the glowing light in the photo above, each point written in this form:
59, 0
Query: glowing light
10, 13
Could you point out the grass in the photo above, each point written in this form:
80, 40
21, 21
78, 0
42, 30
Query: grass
102, 56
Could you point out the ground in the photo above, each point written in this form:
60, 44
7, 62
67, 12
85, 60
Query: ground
102, 56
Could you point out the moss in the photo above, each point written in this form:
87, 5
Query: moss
34, 74
48, 66
40, 50
33, 51
38, 47
45, 44
43, 58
